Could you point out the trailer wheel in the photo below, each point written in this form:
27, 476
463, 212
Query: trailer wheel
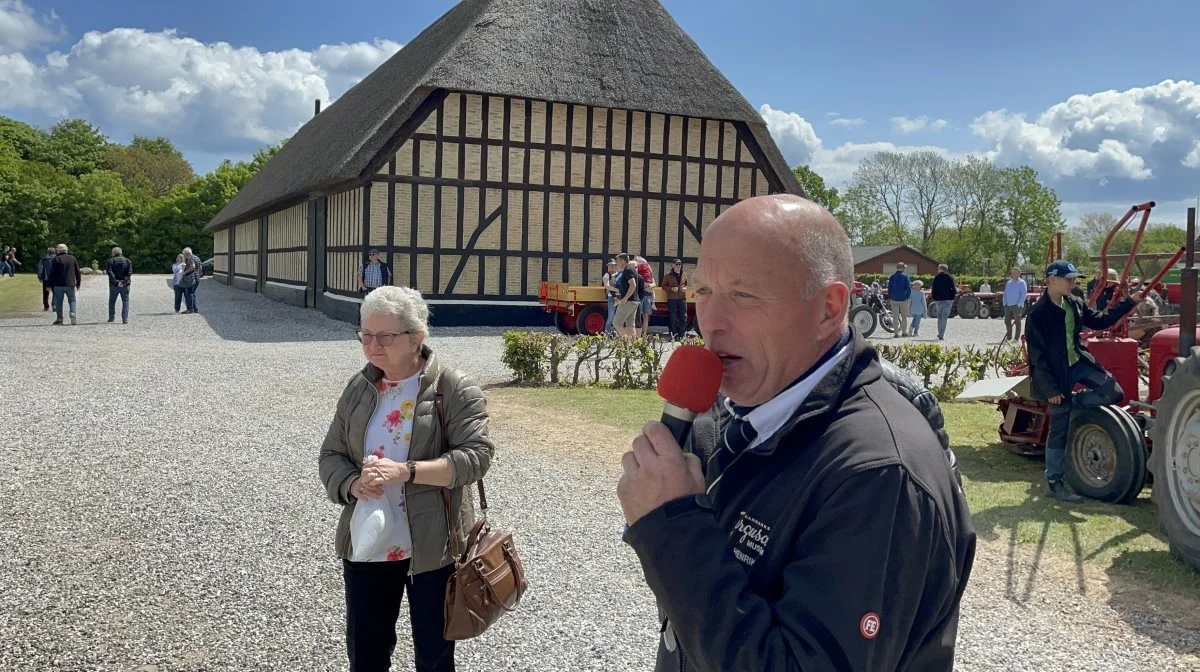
592, 320
863, 319
968, 306
1175, 459
1104, 461
565, 323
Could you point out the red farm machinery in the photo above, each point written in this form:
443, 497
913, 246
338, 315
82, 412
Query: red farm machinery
1113, 452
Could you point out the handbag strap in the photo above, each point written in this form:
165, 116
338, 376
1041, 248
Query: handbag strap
451, 512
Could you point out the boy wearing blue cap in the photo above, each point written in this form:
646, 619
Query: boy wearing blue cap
1058, 361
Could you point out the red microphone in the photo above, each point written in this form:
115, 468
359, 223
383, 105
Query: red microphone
689, 383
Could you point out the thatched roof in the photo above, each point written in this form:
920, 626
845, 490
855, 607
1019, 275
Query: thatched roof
608, 53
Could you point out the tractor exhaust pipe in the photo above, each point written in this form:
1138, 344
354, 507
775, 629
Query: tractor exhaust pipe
1187, 286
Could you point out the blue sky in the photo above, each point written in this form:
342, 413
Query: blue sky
1107, 116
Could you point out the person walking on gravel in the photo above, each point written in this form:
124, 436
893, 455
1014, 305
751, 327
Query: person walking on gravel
899, 293
943, 290
388, 411
1016, 293
1058, 361
812, 521
190, 281
43, 274
120, 273
66, 278
176, 279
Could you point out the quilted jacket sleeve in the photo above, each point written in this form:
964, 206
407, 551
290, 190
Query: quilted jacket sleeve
926, 403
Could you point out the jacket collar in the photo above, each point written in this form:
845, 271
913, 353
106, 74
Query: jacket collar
859, 368
373, 374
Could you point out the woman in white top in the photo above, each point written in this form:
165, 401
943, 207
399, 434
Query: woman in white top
388, 410
177, 275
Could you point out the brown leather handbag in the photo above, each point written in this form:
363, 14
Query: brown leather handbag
488, 578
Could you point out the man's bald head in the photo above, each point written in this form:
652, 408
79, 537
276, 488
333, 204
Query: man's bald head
795, 227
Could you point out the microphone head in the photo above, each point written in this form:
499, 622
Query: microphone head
691, 378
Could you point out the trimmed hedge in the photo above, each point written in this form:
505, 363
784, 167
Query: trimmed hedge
997, 282
542, 358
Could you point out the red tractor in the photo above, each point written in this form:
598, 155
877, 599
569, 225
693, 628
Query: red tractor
1114, 451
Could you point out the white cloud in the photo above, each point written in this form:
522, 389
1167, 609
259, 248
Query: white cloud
798, 142
848, 122
21, 29
1137, 134
906, 125
211, 97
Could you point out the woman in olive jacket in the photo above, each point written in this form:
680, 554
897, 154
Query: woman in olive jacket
387, 410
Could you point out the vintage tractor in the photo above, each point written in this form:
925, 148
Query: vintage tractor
1114, 451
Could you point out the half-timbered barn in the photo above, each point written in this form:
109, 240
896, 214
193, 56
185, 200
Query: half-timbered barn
511, 142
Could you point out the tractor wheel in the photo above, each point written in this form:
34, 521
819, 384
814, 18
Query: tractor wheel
1175, 460
968, 306
1104, 460
932, 310
565, 323
1137, 434
863, 319
591, 320
984, 311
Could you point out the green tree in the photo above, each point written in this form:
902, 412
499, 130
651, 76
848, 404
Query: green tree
158, 146
25, 140
151, 172
1029, 216
815, 189
74, 147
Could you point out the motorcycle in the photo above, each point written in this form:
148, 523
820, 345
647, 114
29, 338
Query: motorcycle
872, 312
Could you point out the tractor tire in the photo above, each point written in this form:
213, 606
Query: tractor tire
591, 320
1175, 460
1137, 434
1104, 460
864, 319
565, 323
984, 311
968, 306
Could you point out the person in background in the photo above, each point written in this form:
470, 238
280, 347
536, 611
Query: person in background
176, 279
646, 299
899, 293
4, 261
1016, 294
66, 278
943, 291
373, 274
192, 272
120, 273
985, 287
10, 257
675, 284
388, 410
917, 307
629, 286
610, 291
43, 274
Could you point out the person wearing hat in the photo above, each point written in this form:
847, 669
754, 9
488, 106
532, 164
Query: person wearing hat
675, 284
1058, 361
373, 274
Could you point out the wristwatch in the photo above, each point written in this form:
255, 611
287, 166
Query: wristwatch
412, 470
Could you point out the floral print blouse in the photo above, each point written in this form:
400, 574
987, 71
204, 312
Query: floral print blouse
388, 436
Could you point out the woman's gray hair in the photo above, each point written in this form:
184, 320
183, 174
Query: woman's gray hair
403, 303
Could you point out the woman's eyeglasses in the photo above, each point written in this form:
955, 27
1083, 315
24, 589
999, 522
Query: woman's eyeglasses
382, 339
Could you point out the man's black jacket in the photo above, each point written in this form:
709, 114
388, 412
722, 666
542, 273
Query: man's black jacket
942, 288
119, 269
64, 271
1046, 340
841, 543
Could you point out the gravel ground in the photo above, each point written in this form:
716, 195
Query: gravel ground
162, 511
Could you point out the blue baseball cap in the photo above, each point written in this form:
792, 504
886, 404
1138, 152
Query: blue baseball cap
1062, 269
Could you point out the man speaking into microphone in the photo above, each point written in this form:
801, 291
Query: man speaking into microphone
812, 520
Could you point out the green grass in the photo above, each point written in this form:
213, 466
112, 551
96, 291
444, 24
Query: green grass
1005, 491
20, 294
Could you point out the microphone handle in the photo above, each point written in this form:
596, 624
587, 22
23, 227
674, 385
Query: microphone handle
679, 421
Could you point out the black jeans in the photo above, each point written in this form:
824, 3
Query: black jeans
47, 292
677, 309
1102, 390
373, 594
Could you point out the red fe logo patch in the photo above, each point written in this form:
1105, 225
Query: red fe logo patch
868, 627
